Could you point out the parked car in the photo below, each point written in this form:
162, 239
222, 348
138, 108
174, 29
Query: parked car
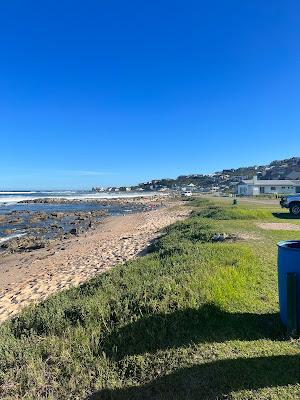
187, 194
292, 202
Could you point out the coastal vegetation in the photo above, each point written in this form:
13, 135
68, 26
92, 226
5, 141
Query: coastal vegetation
196, 318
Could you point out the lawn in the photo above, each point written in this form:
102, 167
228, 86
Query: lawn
193, 319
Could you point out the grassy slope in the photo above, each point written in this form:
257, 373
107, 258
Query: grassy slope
192, 320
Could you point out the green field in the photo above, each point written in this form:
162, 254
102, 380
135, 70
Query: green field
193, 319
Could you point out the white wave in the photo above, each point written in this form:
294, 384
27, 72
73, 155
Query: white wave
58, 192
16, 199
13, 236
15, 193
10, 200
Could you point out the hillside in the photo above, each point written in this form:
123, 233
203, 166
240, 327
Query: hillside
278, 169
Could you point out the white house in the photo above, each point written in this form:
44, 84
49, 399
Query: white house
255, 187
191, 187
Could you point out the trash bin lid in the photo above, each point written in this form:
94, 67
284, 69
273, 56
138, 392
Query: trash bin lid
290, 244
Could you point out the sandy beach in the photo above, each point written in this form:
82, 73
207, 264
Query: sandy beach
31, 277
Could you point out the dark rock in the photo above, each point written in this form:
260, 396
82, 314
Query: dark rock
37, 217
57, 215
15, 221
27, 243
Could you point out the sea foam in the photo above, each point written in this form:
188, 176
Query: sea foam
13, 236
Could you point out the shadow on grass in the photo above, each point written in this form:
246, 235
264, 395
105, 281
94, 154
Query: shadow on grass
285, 215
215, 380
183, 327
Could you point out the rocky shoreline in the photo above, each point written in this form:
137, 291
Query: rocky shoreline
26, 231
39, 229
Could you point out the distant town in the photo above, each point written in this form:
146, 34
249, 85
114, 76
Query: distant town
278, 177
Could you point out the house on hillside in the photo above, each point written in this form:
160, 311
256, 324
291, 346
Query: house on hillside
191, 187
255, 187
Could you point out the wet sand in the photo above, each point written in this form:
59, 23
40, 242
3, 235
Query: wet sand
31, 277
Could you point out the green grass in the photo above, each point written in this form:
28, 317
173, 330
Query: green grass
191, 320
220, 212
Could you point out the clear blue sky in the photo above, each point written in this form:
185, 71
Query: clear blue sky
116, 92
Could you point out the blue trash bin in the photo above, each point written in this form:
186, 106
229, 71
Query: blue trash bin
288, 261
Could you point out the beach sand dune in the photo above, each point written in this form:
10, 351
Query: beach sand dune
32, 277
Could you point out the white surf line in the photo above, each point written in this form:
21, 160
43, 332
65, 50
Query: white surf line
14, 236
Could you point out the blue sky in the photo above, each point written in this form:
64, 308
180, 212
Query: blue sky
117, 92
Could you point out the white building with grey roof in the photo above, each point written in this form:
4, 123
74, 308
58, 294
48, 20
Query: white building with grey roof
257, 187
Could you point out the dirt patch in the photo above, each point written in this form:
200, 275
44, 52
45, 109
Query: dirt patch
247, 236
278, 226
222, 237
